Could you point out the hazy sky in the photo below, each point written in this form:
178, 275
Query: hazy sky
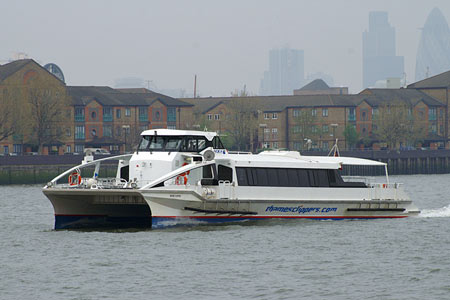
226, 43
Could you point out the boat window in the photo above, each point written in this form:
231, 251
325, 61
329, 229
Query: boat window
251, 176
322, 178
207, 172
173, 144
201, 145
156, 143
272, 177
262, 177
283, 178
226, 173
311, 178
144, 142
288, 177
189, 145
217, 143
303, 178
292, 177
241, 176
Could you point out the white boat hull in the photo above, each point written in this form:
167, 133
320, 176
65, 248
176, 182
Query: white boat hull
186, 207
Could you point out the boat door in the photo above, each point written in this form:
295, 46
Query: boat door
225, 177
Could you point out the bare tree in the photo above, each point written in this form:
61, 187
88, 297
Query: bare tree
242, 122
396, 123
6, 118
46, 115
305, 127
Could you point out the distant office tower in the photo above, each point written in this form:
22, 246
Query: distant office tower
379, 59
433, 54
286, 72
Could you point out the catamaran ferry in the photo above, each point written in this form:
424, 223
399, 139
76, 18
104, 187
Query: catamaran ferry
272, 184
83, 198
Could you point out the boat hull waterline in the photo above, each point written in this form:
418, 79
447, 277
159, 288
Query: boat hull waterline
167, 213
115, 208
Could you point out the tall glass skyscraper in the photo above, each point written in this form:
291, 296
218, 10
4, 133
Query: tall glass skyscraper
433, 54
286, 72
379, 58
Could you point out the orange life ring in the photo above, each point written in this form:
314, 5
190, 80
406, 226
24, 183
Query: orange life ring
185, 173
74, 179
181, 180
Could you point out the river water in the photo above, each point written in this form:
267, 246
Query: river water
275, 259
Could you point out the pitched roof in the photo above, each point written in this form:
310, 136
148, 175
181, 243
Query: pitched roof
374, 97
12, 67
279, 103
438, 81
82, 95
408, 96
134, 90
316, 85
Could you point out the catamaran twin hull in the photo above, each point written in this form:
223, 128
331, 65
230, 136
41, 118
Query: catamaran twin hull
171, 208
90, 208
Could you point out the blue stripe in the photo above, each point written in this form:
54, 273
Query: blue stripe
164, 222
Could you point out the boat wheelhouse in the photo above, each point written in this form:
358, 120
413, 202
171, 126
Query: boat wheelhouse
272, 184
103, 192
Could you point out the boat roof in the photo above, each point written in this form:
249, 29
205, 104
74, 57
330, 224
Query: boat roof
176, 132
344, 160
275, 161
293, 159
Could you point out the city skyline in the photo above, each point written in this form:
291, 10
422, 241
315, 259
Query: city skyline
380, 60
433, 54
226, 45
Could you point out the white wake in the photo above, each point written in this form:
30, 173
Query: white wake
436, 213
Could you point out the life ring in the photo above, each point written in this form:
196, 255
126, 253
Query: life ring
74, 179
185, 173
181, 180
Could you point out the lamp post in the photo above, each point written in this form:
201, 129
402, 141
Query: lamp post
263, 126
125, 129
334, 126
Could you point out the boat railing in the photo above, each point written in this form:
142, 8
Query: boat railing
240, 152
77, 175
365, 179
385, 185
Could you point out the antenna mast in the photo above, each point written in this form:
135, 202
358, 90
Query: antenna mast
195, 86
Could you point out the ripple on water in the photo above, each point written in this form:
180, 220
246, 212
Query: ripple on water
389, 259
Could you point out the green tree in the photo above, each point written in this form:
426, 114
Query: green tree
351, 136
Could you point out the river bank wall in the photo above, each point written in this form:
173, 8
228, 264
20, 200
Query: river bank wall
39, 169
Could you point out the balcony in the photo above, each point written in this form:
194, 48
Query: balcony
351, 117
79, 136
107, 118
79, 118
143, 118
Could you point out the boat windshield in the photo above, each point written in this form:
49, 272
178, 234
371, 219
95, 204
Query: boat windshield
178, 143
